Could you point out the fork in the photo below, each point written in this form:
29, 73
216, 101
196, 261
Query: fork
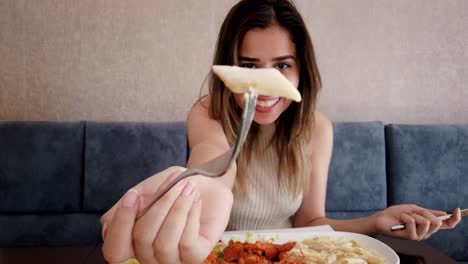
218, 166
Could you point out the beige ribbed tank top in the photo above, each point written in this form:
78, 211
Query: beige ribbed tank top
267, 205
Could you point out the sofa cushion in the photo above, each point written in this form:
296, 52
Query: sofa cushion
49, 229
40, 166
428, 166
120, 155
357, 180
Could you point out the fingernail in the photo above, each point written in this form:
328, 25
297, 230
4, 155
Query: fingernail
130, 198
188, 190
104, 230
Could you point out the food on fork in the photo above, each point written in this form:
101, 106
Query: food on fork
265, 81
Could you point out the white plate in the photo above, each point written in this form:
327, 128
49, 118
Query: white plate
299, 234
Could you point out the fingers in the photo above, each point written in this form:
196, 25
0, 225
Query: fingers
435, 223
117, 245
410, 224
422, 226
166, 244
453, 221
148, 226
193, 247
416, 226
192, 227
214, 222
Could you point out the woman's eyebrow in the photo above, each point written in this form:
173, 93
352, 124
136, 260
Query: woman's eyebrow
285, 57
248, 59
280, 58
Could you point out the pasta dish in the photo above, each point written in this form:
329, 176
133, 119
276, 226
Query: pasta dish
324, 249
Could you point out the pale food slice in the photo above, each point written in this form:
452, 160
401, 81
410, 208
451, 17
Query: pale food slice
265, 81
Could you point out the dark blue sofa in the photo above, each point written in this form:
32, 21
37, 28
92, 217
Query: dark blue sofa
57, 178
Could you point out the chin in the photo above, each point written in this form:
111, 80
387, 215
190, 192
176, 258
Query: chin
263, 122
263, 119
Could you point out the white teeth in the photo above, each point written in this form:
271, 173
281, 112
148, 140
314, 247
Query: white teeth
267, 103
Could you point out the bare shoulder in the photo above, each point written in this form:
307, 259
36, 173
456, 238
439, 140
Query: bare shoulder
322, 122
201, 128
199, 110
199, 118
321, 142
323, 128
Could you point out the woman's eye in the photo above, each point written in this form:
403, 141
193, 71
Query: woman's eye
282, 66
248, 65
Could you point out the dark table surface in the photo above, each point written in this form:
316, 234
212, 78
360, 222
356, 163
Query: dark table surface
409, 252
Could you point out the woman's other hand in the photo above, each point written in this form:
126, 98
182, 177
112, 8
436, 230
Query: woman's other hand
420, 223
176, 229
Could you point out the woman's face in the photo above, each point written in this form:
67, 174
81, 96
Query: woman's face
265, 48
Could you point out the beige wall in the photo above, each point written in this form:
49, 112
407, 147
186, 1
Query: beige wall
396, 61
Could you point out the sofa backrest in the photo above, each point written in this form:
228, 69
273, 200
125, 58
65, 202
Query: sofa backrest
120, 155
428, 166
57, 178
357, 180
41, 166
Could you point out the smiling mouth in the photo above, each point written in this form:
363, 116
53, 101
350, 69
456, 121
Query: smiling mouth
266, 105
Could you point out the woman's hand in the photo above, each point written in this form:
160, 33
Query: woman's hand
420, 223
182, 227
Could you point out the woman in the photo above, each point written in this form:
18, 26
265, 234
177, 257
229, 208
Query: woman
280, 177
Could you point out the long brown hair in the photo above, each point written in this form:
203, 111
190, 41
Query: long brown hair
294, 126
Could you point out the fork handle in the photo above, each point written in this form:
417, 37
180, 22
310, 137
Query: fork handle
177, 179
